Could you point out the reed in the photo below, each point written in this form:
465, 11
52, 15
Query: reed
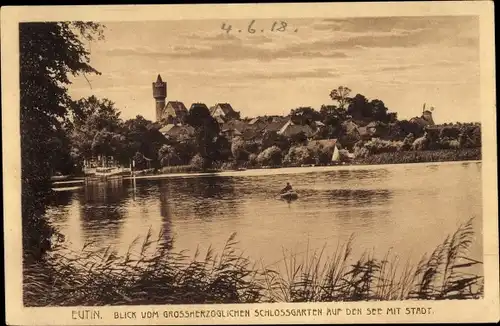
179, 169
444, 155
151, 273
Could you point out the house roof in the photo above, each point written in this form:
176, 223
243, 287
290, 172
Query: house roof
235, 132
176, 130
276, 125
290, 129
254, 121
322, 142
225, 107
178, 107
249, 134
199, 105
235, 124
167, 128
363, 131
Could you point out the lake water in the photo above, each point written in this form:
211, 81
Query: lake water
410, 208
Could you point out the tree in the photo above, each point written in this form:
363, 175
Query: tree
299, 138
298, 155
97, 129
476, 137
408, 127
304, 115
270, 156
223, 152
168, 155
238, 150
143, 136
379, 111
206, 133
48, 53
272, 138
359, 107
333, 115
341, 96
186, 150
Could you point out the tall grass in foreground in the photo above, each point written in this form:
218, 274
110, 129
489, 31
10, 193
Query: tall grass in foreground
153, 274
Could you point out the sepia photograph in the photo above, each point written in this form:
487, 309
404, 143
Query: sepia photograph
266, 160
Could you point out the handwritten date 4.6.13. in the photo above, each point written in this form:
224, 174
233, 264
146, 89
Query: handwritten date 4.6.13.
252, 28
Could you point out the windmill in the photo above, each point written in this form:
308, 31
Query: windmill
430, 109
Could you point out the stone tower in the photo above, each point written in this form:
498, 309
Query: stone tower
160, 95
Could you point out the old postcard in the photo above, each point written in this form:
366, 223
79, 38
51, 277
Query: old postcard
250, 164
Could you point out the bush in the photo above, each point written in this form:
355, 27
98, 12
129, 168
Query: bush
252, 160
238, 149
376, 146
444, 155
323, 154
298, 155
229, 166
198, 162
179, 169
408, 142
270, 156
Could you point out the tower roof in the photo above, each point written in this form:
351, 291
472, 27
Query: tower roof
158, 79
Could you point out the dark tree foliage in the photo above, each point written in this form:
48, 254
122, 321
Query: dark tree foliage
332, 115
49, 53
206, 134
97, 130
359, 107
299, 138
142, 136
223, 149
272, 138
305, 115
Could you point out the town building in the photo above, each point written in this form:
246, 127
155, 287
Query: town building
175, 112
224, 111
290, 129
177, 132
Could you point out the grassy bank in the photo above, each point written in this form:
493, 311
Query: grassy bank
445, 155
163, 277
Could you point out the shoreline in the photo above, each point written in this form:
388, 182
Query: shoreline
293, 170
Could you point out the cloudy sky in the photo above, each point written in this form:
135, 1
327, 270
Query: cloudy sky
403, 61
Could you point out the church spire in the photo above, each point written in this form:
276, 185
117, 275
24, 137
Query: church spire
158, 79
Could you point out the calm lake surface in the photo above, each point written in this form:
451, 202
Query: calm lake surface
409, 208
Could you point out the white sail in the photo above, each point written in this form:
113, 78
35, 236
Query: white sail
336, 155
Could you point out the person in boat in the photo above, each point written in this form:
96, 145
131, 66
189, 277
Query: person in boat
287, 188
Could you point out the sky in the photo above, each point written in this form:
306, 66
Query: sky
403, 61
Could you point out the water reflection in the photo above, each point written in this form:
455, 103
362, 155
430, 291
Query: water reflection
358, 197
382, 207
102, 209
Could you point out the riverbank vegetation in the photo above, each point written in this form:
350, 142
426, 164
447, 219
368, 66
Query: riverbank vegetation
152, 273
467, 154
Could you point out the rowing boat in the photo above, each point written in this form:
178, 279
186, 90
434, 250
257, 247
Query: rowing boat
290, 195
